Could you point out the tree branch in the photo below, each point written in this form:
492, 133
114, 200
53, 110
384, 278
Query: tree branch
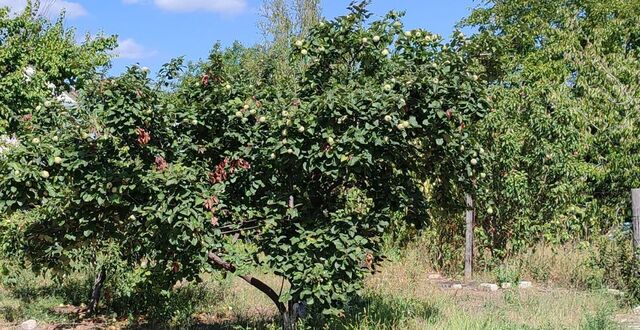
266, 289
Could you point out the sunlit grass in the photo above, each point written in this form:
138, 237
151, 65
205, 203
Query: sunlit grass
400, 296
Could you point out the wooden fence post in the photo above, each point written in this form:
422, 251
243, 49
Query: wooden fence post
468, 247
635, 218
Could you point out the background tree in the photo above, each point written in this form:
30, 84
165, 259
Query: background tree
283, 20
564, 112
39, 61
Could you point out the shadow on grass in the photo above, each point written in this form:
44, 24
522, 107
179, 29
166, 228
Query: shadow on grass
375, 311
370, 312
73, 291
24, 295
31, 296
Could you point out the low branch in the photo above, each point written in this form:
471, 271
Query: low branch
258, 284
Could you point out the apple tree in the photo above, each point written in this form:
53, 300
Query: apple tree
376, 109
39, 61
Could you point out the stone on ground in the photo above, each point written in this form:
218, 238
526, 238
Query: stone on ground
525, 285
615, 292
505, 285
29, 325
489, 287
456, 286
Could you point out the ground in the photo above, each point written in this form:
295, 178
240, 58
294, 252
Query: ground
400, 296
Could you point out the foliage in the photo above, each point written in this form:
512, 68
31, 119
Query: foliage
337, 155
613, 264
282, 21
39, 60
561, 159
158, 178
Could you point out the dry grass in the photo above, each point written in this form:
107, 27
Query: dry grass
403, 296
537, 308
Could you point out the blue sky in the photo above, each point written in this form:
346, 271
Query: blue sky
153, 31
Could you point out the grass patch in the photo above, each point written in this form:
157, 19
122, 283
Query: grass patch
401, 296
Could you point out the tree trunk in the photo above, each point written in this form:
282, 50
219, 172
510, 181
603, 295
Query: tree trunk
97, 290
288, 313
290, 318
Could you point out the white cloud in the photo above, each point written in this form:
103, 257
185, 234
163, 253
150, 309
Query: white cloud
48, 8
130, 49
217, 6
72, 9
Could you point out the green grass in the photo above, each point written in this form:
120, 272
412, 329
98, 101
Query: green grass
399, 297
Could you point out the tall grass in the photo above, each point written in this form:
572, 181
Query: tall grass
400, 296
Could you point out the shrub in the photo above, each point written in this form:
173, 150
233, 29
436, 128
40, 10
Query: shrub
614, 264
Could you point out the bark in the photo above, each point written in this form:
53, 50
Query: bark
98, 283
290, 317
288, 313
258, 284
